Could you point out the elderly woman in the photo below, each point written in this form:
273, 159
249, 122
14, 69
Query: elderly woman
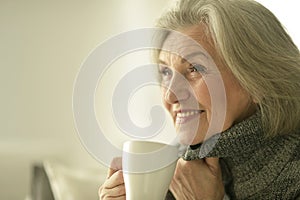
257, 154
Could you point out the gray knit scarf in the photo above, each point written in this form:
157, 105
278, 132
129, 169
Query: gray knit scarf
253, 165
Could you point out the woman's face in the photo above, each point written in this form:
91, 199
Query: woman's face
193, 91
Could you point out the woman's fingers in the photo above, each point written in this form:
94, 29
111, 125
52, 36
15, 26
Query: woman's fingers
115, 180
115, 192
115, 165
115, 198
197, 178
113, 187
214, 166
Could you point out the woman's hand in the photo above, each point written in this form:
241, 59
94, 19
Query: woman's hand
198, 179
113, 188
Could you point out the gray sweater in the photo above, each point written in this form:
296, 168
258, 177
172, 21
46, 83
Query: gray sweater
253, 166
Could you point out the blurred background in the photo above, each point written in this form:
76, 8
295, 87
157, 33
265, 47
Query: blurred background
42, 45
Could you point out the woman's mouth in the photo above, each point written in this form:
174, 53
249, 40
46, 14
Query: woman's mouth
185, 116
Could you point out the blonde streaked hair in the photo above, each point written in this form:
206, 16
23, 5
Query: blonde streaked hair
256, 48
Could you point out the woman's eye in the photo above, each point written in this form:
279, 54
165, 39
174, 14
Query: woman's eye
165, 72
197, 68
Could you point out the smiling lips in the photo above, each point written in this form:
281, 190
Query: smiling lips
185, 116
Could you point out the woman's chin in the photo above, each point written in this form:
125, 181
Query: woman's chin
190, 133
189, 139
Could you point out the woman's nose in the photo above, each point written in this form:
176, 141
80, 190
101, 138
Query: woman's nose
177, 90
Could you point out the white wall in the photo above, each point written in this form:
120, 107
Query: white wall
42, 44
288, 13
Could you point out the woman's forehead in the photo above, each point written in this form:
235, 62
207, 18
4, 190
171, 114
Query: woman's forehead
184, 45
166, 57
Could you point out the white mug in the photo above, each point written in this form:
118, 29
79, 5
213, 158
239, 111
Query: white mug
148, 168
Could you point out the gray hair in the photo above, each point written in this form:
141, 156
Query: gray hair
256, 48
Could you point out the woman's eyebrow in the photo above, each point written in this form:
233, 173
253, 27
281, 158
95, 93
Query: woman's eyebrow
186, 58
162, 62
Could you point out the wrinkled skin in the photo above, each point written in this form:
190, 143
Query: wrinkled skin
113, 187
193, 180
197, 179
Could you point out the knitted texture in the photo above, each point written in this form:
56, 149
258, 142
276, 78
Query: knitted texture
253, 166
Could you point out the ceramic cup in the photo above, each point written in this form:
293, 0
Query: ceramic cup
148, 168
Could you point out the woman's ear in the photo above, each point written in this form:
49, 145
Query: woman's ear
254, 100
